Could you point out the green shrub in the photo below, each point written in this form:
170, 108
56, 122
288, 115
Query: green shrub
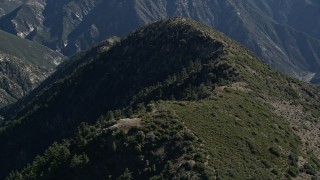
275, 151
293, 171
127, 175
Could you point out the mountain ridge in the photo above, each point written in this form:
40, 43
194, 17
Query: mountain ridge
175, 73
267, 28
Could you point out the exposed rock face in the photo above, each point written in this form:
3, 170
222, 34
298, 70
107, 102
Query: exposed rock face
23, 65
285, 33
17, 78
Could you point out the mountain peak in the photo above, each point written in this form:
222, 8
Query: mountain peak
192, 89
270, 29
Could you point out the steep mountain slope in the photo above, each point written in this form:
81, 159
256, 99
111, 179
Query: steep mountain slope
17, 78
64, 70
191, 103
6, 6
284, 33
29, 52
23, 65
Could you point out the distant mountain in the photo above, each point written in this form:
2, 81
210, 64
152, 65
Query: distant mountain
29, 51
174, 99
284, 33
23, 65
17, 78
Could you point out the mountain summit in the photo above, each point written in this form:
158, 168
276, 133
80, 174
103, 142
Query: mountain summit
174, 99
284, 33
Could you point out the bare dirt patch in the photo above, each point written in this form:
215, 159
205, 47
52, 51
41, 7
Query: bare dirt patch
239, 86
126, 124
